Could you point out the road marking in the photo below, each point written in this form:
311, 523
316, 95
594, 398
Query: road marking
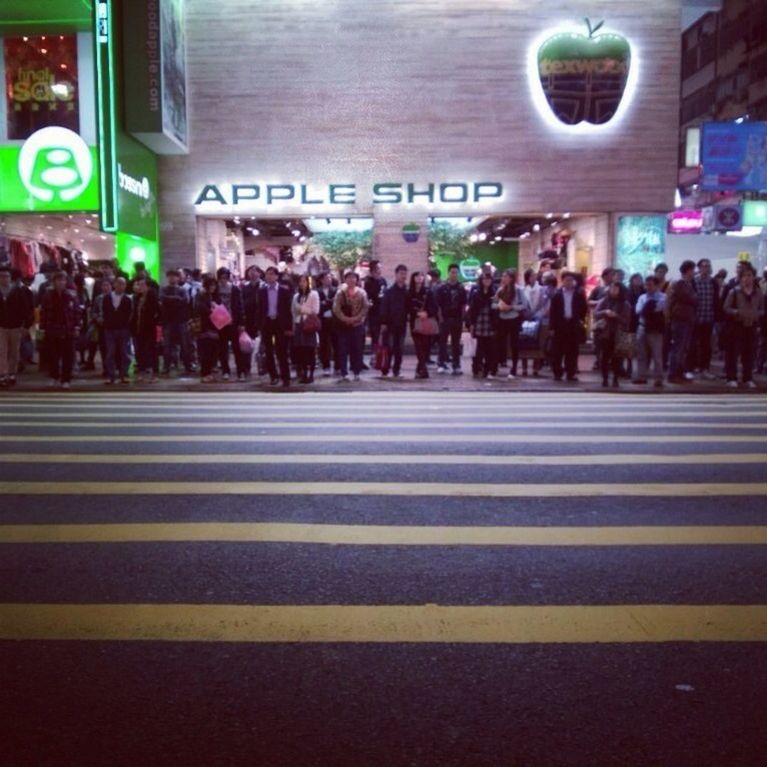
406, 489
410, 423
281, 459
442, 439
385, 535
385, 623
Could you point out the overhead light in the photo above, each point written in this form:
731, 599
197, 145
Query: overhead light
474, 237
498, 238
26, 39
255, 232
482, 236
536, 227
77, 231
549, 215
295, 232
302, 238
43, 50
49, 227
103, 237
566, 215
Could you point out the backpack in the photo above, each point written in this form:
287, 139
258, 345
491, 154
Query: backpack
654, 321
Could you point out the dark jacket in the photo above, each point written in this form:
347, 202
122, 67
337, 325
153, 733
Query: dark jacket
250, 301
174, 304
682, 302
146, 315
611, 325
395, 308
203, 305
375, 288
60, 313
116, 319
17, 310
423, 300
451, 300
284, 307
478, 300
326, 303
557, 315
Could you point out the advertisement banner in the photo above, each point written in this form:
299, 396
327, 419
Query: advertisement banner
734, 156
41, 87
54, 170
685, 222
136, 188
641, 243
155, 74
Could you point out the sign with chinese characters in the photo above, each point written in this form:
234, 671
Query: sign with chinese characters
734, 156
685, 222
41, 86
54, 170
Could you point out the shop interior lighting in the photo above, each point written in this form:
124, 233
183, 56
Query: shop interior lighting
549, 215
746, 231
566, 215
536, 227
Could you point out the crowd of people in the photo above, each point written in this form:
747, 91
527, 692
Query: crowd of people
288, 327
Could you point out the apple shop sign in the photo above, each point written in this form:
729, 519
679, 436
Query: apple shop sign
280, 195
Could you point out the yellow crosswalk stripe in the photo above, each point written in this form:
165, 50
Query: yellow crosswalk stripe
385, 623
385, 535
405, 489
414, 423
446, 439
457, 459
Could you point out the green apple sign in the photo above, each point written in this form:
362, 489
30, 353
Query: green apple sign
584, 77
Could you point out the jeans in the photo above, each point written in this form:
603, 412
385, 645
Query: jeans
61, 356
681, 335
565, 347
10, 343
176, 334
452, 328
650, 349
118, 352
484, 360
275, 343
741, 344
351, 342
395, 340
699, 357
327, 342
146, 353
508, 335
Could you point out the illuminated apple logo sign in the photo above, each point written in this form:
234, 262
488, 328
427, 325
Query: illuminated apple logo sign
582, 81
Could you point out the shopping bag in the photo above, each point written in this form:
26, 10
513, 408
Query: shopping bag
246, 343
469, 344
382, 357
426, 326
220, 317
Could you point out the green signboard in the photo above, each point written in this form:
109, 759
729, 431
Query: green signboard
131, 250
137, 188
755, 213
53, 170
504, 255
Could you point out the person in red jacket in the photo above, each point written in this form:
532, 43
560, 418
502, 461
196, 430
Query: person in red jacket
60, 317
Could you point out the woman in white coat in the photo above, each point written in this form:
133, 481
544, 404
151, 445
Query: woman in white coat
306, 323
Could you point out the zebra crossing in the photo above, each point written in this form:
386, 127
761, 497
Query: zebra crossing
502, 529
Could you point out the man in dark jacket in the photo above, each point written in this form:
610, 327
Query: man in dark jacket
144, 321
250, 291
394, 316
174, 313
375, 288
275, 323
116, 311
568, 311
451, 305
60, 317
16, 314
681, 310
231, 298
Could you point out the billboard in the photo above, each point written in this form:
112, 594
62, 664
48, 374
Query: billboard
641, 243
685, 222
734, 156
41, 87
154, 57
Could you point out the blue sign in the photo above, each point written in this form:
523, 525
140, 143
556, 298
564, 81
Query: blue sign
641, 243
734, 156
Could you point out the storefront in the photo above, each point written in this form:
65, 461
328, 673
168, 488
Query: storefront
534, 121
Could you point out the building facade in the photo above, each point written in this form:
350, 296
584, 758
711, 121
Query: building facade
399, 111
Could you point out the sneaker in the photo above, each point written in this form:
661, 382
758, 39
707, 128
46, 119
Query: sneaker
384, 374
457, 372
441, 369
732, 384
108, 382
709, 376
511, 377
124, 380
53, 382
241, 377
357, 378
225, 376
398, 376
750, 385
65, 386
490, 377
344, 379
689, 376
326, 372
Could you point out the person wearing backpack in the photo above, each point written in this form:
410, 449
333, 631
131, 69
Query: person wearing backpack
650, 311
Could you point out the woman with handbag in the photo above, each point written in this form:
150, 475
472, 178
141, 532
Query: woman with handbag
613, 319
422, 308
306, 324
511, 302
207, 334
481, 322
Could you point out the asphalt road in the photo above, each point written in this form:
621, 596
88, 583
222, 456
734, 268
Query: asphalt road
401, 579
